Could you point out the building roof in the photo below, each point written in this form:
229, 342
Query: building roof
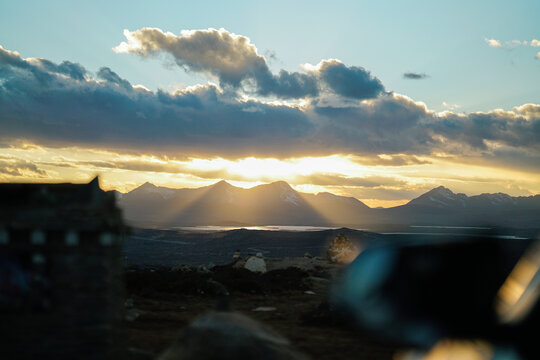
58, 206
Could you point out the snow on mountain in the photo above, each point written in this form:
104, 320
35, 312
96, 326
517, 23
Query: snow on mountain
437, 201
288, 194
445, 193
496, 199
278, 203
441, 197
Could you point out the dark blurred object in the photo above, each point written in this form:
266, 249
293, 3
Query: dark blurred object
61, 286
419, 294
230, 336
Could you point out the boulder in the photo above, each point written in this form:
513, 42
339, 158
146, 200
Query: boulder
256, 264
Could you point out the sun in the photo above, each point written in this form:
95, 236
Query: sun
272, 169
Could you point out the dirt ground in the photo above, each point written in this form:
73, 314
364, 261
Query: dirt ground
161, 302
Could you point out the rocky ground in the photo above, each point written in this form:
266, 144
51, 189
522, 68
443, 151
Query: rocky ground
155, 247
291, 299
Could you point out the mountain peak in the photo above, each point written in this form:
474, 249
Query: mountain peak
282, 184
147, 185
285, 192
326, 194
441, 189
278, 203
440, 196
149, 188
442, 192
222, 184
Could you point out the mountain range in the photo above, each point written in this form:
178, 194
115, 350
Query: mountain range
278, 203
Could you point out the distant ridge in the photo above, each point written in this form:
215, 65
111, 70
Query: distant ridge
278, 203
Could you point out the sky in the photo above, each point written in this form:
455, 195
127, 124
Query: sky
377, 100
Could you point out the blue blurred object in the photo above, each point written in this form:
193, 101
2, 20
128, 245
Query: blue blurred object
421, 293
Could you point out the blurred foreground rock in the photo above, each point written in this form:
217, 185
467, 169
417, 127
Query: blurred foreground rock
471, 288
230, 336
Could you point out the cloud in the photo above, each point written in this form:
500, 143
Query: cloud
391, 160
530, 111
133, 165
504, 127
232, 58
340, 180
415, 76
450, 106
17, 167
144, 165
42, 70
351, 82
521, 159
62, 105
390, 124
110, 76
493, 43
229, 57
515, 43
286, 84
235, 61
113, 114
510, 45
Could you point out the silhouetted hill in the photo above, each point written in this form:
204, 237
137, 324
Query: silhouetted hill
220, 204
279, 204
441, 206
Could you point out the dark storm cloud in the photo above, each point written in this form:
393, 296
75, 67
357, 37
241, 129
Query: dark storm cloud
235, 62
108, 75
479, 129
111, 113
521, 159
414, 76
352, 82
394, 124
390, 124
61, 105
73, 70
41, 68
286, 84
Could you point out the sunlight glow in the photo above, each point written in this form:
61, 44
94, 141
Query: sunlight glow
379, 180
274, 169
449, 349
